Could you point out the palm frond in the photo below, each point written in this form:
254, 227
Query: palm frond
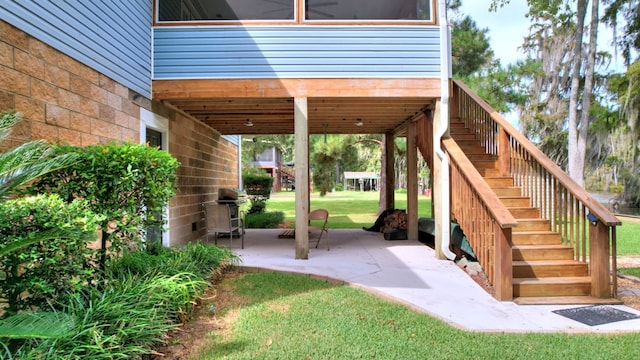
7, 120
35, 238
36, 325
27, 162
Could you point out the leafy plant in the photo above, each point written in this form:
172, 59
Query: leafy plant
22, 164
195, 258
265, 220
258, 188
121, 321
129, 184
143, 296
55, 260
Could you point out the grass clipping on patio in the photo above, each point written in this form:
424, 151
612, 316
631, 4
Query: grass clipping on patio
278, 316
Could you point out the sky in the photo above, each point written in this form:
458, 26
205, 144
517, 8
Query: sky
508, 26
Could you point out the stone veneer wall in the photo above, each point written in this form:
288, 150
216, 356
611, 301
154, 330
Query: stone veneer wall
208, 163
60, 98
64, 100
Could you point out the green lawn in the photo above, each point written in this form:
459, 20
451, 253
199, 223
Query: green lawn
355, 209
628, 238
347, 209
279, 316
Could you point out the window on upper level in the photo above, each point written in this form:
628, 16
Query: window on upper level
225, 10
294, 11
368, 10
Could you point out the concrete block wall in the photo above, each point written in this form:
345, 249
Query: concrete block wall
208, 162
64, 100
61, 99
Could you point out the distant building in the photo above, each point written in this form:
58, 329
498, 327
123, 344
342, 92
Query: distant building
271, 161
361, 181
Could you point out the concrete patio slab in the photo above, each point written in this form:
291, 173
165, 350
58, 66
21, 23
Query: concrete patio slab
408, 272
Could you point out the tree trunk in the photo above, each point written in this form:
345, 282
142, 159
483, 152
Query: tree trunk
583, 125
575, 168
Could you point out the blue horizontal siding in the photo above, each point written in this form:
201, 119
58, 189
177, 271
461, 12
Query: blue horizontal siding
111, 36
234, 139
220, 52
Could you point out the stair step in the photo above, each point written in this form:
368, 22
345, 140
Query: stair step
486, 164
547, 287
501, 181
463, 135
457, 126
469, 143
515, 201
483, 156
472, 149
490, 172
549, 269
507, 191
535, 224
542, 252
524, 212
535, 238
565, 300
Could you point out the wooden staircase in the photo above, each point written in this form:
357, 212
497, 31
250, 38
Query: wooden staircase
544, 269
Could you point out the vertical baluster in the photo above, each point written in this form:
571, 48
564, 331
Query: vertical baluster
585, 223
565, 208
571, 220
554, 195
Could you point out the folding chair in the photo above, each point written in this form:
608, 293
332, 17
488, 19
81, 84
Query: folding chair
318, 221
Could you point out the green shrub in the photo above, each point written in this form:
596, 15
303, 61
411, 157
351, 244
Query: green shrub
196, 258
122, 321
146, 293
58, 263
339, 187
265, 220
129, 184
258, 188
616, 189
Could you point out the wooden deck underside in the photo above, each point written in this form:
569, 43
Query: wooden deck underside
334, 105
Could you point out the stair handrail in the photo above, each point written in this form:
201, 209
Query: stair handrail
483, 218
500, 213
599, 210
583, 223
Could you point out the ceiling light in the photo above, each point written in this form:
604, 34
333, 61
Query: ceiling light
358, 122
249, 122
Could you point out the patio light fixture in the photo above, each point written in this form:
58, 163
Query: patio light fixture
249, 122
358, 122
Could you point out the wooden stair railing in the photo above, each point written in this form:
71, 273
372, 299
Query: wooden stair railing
548, 204
484, 219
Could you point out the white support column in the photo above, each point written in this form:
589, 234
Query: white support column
441, 191
302, 177
412, 182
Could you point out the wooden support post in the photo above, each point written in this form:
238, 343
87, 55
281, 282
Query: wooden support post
503, 273
389, 145
412, 182
440, 193
599, 260
504, 152
301, 130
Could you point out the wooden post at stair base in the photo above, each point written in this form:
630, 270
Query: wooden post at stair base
390, 180
412, 182
441, 220
301, 131
503, 273
504, 152
599, 259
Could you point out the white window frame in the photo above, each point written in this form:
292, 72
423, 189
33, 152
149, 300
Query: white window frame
150, 120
